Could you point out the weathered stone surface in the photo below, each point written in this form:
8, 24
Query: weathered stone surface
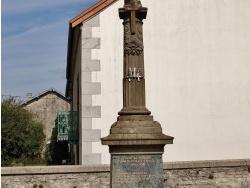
45, 108
222, 177
87, 32
92, 158
136, 130
137, 171
235, 175
91, 43
91, 65
91, 135
93, 22
86, 77
87, 123
86, 55
91, 88
91, 111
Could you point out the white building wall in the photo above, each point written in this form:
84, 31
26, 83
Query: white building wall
197, 65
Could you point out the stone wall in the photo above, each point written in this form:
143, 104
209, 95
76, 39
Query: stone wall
198, 174
208, 174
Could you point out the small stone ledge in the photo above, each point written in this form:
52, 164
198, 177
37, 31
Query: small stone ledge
7, 171
206, 164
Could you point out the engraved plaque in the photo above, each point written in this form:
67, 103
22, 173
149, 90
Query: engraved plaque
131, 171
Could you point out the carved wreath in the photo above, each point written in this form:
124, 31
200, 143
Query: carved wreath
133, 46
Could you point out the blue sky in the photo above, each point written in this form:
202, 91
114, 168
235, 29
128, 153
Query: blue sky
34, 44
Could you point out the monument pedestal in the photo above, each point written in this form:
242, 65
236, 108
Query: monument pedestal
137, 170
136, 145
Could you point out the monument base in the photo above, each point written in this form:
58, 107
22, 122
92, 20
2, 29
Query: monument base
136, 145
136, 170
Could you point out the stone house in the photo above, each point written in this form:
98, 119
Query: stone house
197, 56
45, 107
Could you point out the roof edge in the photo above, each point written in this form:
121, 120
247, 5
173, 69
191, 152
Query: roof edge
99, 6
40, 95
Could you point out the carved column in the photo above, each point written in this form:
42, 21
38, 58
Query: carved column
133, 70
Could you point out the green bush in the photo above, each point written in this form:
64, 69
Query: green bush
22, 137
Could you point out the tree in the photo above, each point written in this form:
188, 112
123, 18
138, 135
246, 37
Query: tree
22, 137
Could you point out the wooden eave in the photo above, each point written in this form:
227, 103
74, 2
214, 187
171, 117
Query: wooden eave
90, 12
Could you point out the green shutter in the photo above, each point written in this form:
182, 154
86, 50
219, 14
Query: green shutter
68, 126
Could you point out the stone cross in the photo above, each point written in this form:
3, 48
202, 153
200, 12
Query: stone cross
133, 6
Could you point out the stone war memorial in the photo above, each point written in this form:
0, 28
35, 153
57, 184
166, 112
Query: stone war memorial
136, 142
